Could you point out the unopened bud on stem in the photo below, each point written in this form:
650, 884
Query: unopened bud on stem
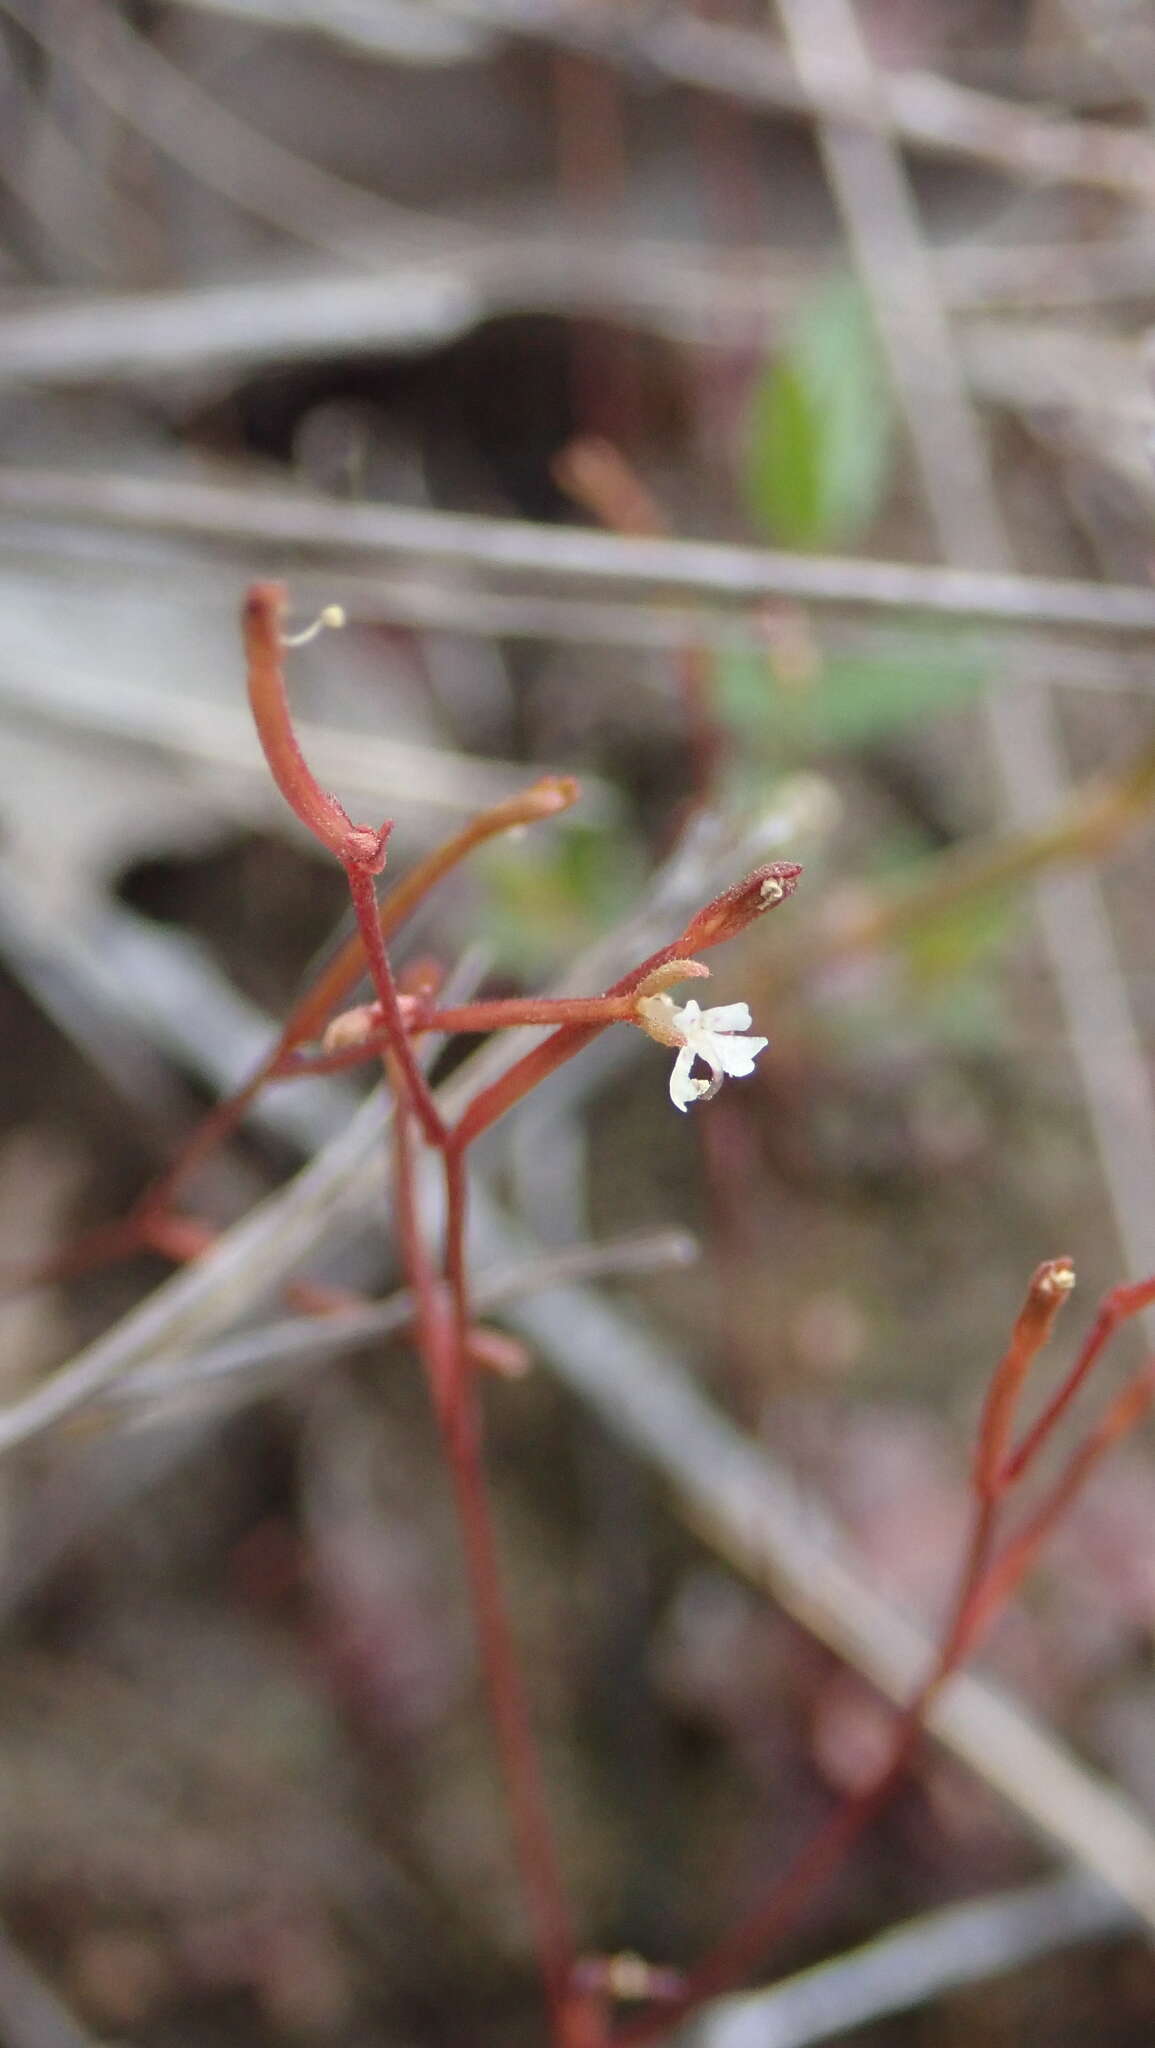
731, 912
352, 1028
669, 975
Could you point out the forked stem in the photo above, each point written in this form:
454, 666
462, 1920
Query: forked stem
988, 1581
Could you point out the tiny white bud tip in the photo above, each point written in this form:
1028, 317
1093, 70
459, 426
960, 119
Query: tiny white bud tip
333, 616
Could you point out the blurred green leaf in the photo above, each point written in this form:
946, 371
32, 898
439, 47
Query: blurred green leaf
953, 977
959, 938
547, 897
859, 698
820, 428
851, 701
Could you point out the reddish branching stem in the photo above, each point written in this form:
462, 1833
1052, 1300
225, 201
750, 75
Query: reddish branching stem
442, 1344
989, 1579
452, 1347
449, 1342
443, 1319
724, 918
1015, 1560
744, 1947
1121, 1306
397, 1037
130, 1234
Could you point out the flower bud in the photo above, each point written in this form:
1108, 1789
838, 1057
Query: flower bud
553, 793
496, 1351
669, 974
352, 1028
731, 912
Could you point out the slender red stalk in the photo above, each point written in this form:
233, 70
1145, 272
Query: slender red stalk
325, 818
988, 1580
504, 1013
1049, 1288
442, 1320
455, 1405
456, 1220
1119, 1307
741, 1950
364, 898
101, 1246
544, 799
442, 1305
1021, 1551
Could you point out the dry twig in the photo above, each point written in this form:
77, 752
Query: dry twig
308, 527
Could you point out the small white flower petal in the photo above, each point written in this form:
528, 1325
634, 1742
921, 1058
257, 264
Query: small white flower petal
715, 1037
727, 1017
737, 1055
683, 1088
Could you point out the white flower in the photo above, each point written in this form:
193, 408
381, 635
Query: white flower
711, 1036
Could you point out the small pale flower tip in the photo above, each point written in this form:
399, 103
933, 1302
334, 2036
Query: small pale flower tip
351, 1028
554, 793
332, 615
785, 874
1058, 1277
736, 908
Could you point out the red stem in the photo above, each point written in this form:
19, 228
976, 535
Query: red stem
1119, 1307
739, 1952
455, 1405
1049, 1288
364, 895
320, 812
544, 799
1020, 1552
504, 1013
987, 1582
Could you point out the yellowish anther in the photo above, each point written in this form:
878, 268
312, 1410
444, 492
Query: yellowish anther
770, 892
1060, 1279
333, 616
